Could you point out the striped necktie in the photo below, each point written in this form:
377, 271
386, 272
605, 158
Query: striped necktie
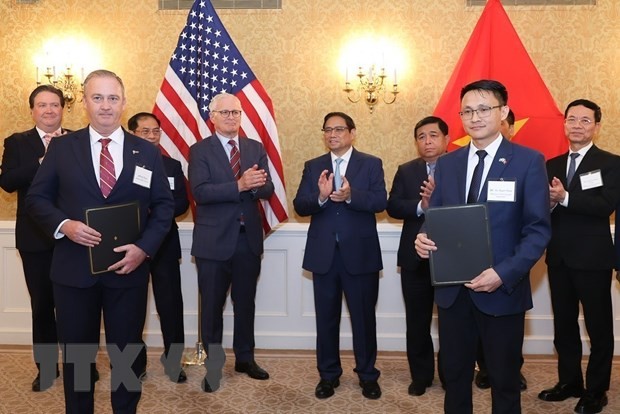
107, 175
235, 159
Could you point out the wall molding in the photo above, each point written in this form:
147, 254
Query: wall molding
284, 303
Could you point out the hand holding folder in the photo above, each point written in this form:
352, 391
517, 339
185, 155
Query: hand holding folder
461, 235
119, 225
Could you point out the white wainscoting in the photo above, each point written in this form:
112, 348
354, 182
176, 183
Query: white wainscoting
284, 303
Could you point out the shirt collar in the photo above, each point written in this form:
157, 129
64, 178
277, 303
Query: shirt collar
117, 136
491, 149
582, 152
345, 157
43, 133
224, 140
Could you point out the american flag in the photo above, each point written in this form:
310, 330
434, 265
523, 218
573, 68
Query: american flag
205, 63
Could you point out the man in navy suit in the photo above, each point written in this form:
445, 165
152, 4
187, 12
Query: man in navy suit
507, 129
342, 191
23, 153
581, 258
165, 267
70, 181
513, 185
413, 184
228, 232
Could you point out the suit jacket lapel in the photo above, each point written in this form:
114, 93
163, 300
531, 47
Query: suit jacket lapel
219, 154
587, 164
461, 165
353, 167
84, 158
34, 141
502, 158
131, 158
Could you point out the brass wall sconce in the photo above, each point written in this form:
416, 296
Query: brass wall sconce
66, 82
371, 87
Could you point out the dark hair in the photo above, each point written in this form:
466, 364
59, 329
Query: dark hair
598, 115
347, 119
490, 85
46, 88
132, 124
510, 118
443, 127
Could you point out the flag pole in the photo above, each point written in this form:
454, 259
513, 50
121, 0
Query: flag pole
198, 356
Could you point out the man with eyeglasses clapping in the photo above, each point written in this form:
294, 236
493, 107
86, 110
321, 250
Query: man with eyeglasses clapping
585, 188
342, 191
228, 176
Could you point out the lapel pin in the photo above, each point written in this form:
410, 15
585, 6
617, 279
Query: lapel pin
503, 161
135, 152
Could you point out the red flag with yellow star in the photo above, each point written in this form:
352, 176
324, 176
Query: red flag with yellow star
494, 51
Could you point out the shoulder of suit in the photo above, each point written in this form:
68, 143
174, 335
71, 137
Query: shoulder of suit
23, 135
415, 163
250, 141
171, 161
364, 155
521, 148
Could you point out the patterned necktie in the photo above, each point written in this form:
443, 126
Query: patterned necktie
571, 168
476, 178
235, 159
431, 169
337, 176
47, 138
107, 175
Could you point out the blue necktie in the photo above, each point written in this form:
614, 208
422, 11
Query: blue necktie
571, 168
337, 176
431, 169
476, 178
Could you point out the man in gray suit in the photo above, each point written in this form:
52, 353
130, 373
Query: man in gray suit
228, 175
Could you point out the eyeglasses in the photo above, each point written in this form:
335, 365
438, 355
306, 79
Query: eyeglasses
338, 130
145, 131
226, 113
483, 112
584, 122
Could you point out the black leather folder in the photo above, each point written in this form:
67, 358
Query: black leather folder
118, 224
461, 234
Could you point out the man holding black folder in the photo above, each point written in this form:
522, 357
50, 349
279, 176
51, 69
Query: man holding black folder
96, 167
511, 181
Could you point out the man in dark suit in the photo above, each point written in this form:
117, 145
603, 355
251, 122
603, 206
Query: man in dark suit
507, 129
71, 180
164, 267
228, 176
413, 184
342, 191
511, 180
585, 188
23, 153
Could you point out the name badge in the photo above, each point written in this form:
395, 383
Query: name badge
591, 179
142, 177
501, 191
171, 181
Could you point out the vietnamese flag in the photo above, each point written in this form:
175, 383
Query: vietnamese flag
494, 51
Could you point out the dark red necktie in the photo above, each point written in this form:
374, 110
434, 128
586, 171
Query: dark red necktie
235, 159
107, 176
